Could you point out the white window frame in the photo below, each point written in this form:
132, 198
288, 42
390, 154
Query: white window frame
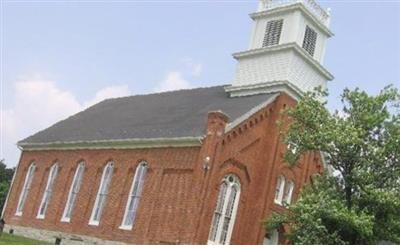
215, 235
287, 198
25, 189
51, 179
280, 188
73, 192
134, 195
102, 191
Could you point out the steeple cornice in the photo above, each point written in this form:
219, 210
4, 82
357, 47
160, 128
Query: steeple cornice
287, 46
296, 6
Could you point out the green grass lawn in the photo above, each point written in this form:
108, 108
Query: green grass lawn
7, 239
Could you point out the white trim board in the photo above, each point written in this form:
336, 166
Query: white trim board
294, 46
115, 144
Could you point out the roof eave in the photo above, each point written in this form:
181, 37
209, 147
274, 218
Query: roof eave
138, 143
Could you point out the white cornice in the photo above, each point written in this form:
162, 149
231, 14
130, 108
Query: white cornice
287, 46
296, 6
115, 144
265, 88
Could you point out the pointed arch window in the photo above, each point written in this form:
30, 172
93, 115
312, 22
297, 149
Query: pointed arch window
48, 191
287, 197
225, 211
102, 193
73, 192
134, 196
25, 189
280, 187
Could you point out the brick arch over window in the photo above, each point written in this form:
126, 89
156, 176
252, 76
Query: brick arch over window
225, 211
233, 163
287, 171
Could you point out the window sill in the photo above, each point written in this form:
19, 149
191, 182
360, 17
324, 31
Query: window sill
65, 220
94, 223
40, 217
126, 228
282, 205
18, 214
209, 242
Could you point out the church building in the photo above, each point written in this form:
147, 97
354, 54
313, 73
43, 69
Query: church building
197, 166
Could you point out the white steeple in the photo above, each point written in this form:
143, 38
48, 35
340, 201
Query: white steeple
287, 49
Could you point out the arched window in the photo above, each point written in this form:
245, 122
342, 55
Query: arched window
25, 189
48, 191
280, 187
73, 192
102, 194
225, 211
287, 198
134, 197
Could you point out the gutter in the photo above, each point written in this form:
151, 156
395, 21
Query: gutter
287, 46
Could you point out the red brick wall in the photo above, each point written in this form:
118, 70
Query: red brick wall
254, 152
179, 195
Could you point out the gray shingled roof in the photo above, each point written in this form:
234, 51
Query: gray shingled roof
173, 114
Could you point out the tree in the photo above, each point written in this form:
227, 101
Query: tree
360, 204
6, 175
